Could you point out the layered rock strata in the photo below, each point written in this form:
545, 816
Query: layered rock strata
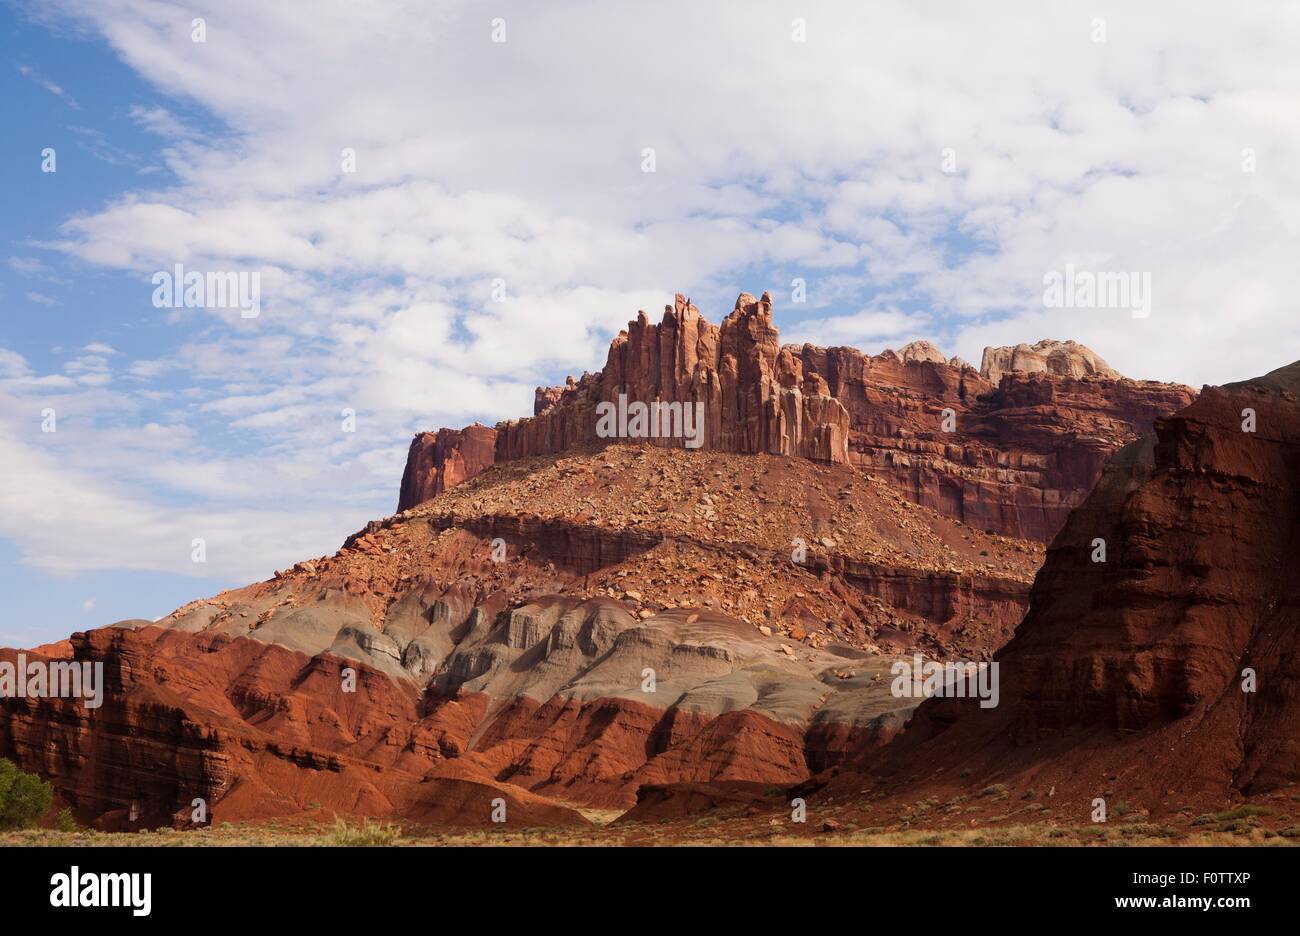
1011, 448
1157, 665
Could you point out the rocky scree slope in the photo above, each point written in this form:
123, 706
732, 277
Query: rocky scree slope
647, 623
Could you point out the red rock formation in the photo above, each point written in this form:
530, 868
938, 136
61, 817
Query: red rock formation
441, 460
258, 730
253, 729
656, 803
523, 677
502, 633
1129, 676
1020, 456
1197, 525
1015, 457
755, 397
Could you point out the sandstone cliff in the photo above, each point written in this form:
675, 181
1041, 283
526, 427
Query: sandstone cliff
1012, 448
1157, 664
756, 397
441, 460
1064, 358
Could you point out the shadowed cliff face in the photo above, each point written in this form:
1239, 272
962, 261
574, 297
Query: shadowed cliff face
1201, 535
1012, 456
1169, 596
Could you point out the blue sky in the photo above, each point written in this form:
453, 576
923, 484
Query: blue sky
78, 125
51, 314
522, 160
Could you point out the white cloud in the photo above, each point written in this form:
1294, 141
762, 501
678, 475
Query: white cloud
57, 90
822, 156
27, 266
867, 329
161, 121
522, 161
96, 498
12, 364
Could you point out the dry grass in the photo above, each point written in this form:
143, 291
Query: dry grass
369, 832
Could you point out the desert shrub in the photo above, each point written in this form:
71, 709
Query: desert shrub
24, 797
367, 833
1140, 830
64, 822
1242, 812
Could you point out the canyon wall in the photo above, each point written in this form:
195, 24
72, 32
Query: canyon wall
1157, 664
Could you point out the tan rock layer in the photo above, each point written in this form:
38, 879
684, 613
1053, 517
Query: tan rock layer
1064, 358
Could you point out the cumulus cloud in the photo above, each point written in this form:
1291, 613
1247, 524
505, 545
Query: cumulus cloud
102, 492
920, 169
824, 157
865, 329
